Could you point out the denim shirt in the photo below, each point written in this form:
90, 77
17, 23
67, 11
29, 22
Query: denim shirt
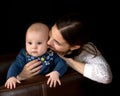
50, 61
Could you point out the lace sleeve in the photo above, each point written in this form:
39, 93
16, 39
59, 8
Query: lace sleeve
96, 68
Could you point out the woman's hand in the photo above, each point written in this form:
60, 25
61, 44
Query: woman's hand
69, 61
30, 69
76, 65
53, 79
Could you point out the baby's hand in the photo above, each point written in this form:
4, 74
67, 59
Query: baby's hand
11, 83
53, 79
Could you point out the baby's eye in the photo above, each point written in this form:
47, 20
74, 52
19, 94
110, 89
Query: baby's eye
39, 43
30, 43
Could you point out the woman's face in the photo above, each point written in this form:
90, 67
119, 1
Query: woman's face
57, 42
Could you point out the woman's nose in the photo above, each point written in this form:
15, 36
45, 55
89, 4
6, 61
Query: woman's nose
49, 42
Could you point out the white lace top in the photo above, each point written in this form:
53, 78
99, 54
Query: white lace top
96, 68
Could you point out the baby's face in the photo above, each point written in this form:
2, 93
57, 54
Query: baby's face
36, 43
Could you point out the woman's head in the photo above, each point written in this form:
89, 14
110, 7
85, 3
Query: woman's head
69, 33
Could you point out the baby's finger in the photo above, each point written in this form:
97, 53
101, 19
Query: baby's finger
48, 81
54, 83
59, 82
51, 83
14, 85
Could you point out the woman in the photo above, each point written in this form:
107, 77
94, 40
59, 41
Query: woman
69, 37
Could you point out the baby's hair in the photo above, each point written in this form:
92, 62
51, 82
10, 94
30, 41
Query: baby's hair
38, 27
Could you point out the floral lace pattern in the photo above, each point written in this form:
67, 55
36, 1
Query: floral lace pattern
96, 68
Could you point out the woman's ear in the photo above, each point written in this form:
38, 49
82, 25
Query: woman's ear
75, 47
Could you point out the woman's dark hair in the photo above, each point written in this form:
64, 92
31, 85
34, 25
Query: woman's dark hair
74, 29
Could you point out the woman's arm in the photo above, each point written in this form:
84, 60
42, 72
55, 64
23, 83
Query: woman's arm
94, 68
78, 66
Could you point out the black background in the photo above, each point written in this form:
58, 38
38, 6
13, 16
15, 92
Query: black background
102, 16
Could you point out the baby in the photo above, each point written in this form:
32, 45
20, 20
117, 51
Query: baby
37, 36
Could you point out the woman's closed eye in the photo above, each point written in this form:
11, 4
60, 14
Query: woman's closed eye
57, 43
